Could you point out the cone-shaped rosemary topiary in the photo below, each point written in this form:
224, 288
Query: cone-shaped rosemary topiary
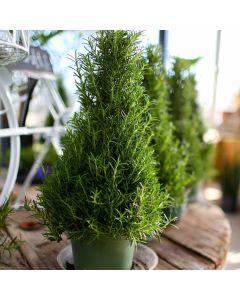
171, 157
186, 116
105, 185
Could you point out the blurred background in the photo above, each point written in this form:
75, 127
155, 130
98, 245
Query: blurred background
183, 43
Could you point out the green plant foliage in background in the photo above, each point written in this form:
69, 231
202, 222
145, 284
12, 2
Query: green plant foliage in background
186, 116
6, 244
42, 37
171, 157
105, 184
28, 156
61, 89
230, 179
51, 157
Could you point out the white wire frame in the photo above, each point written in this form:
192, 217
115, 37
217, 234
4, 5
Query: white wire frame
14, 144
52, 134
14, 46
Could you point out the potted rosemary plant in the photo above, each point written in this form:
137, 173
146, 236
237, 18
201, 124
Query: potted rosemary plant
186, 116
104, 192
170, 155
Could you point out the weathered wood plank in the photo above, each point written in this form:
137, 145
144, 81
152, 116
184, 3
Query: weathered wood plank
206, 244
205, 230
38, 251
200, 242
163, 265
13, 261
33, 237
179, 256
48, 252
30, 238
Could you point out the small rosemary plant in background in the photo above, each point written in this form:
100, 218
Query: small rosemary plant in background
105, 183
6, 244
186, 116
170, 155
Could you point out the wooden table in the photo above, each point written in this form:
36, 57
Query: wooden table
199, 241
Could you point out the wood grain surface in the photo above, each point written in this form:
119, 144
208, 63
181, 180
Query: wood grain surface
199, 241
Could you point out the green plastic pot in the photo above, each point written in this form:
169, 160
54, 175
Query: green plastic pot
103, 254
176, 212
196, 192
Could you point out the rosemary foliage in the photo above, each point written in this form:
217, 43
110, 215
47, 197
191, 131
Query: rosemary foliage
105, 184
186, 116
171, 156
6, 244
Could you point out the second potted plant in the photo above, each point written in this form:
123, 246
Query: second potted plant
189, 126
171, 156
